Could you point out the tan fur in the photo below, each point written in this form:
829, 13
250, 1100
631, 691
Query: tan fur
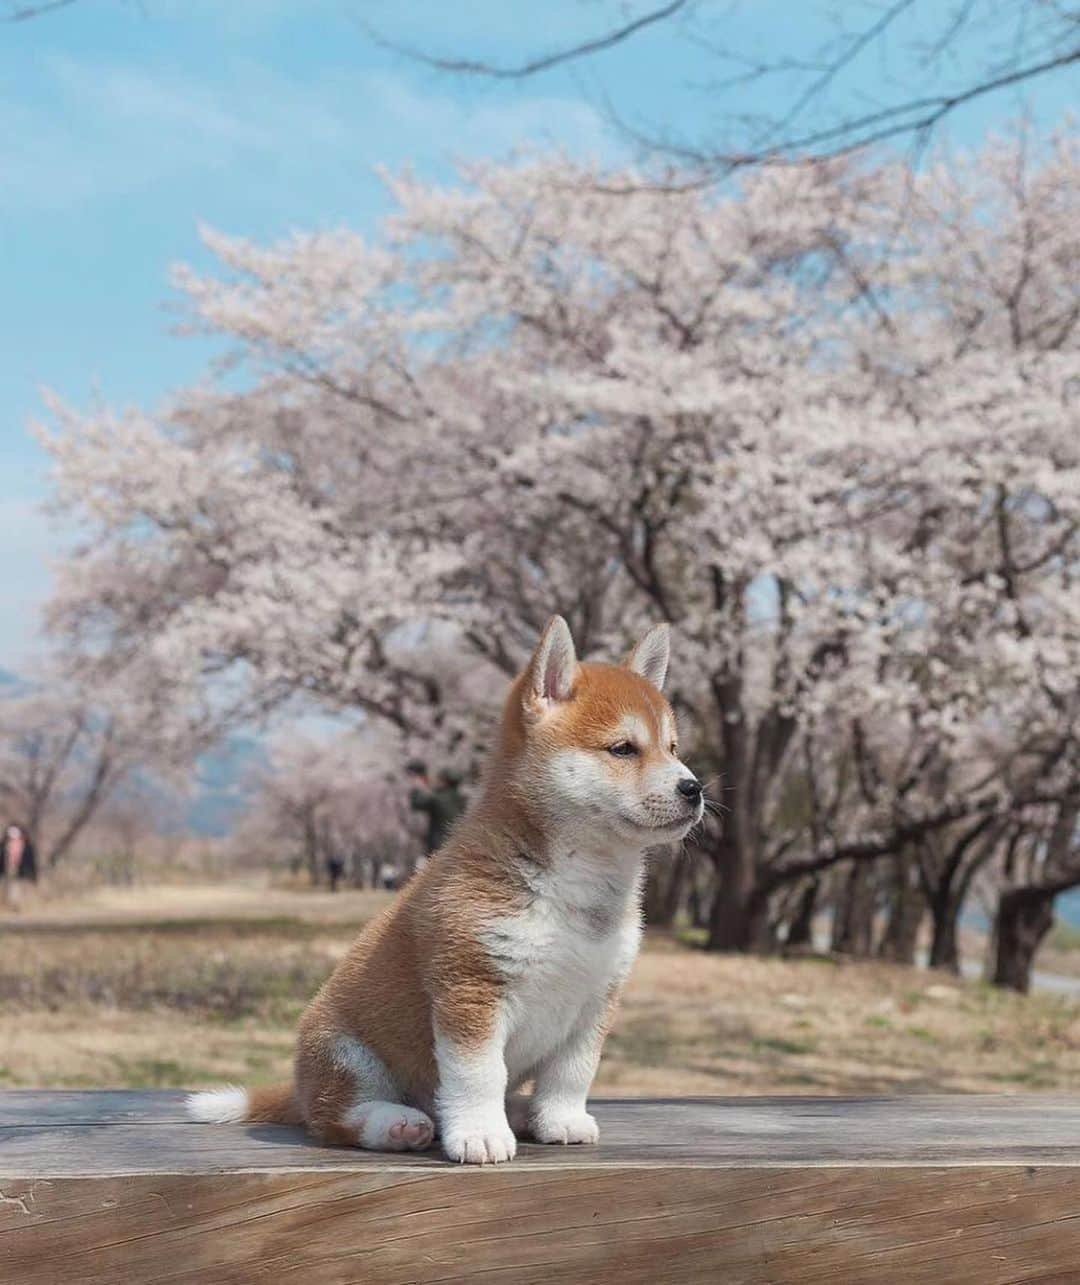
276, 1105
421, 963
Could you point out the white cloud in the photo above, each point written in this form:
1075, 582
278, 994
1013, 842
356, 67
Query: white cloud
103, 130
119, 95
108, 129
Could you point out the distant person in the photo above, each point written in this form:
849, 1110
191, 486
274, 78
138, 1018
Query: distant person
335, 868
443, 804
19, 861
448, 785
388, 876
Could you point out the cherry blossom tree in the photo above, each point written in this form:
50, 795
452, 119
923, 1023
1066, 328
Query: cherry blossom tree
826, 424
324, 798
58, 763
69, 748
1040, 861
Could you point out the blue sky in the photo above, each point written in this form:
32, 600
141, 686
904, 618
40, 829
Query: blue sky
128, 123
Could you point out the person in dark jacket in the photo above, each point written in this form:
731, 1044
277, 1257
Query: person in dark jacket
18, 861
443, 804
335, 868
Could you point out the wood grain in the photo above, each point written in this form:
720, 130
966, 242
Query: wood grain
115, 1187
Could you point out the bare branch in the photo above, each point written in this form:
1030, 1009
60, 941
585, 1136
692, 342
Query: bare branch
22, 12
543, 62
838, 64
917, 116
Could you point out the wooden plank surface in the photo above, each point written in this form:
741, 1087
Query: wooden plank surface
825, 1226
118, 1187
57, 1134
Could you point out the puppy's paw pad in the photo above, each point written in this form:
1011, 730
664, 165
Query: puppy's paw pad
390, 1126
411, 1135
571, 1128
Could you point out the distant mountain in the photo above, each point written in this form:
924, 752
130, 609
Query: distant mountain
9, 681
223, 778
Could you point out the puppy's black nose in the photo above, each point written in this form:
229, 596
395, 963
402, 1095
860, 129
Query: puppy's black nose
690, 786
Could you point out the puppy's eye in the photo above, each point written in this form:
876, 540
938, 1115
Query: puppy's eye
674, 749
623, 749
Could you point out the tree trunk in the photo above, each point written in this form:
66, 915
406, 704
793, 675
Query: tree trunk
739, 916
801, 931
665, 884
680, 878
738, 920
730, 928
945, 942
102, 780
654, 901
906, 910
311, 849
1024, 917
697, 903
853, 920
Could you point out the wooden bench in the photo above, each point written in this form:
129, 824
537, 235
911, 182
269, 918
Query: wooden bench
119, 1187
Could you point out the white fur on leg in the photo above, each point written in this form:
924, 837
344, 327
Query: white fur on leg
565, 1123
382, 1122
218, 1106
374, 1083
471, 1103
562, 1082
390, 1126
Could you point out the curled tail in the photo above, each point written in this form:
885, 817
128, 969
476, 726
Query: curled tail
233, 1105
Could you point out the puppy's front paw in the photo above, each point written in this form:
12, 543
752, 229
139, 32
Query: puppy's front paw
479, 1142
564, 1126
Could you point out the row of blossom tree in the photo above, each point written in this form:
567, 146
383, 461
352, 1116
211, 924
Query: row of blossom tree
320, 799
75, 757
827, 424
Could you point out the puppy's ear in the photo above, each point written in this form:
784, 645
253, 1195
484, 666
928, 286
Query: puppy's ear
549, 677
650, 657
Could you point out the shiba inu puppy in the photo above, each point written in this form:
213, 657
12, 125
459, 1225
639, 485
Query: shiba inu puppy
501, 961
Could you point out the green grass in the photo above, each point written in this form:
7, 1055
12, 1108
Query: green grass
778, 1044
1040, 1075
688, 936
1063, 936
155, 1072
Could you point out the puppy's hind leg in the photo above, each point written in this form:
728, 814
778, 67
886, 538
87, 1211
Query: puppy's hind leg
390, 1126
359, 1104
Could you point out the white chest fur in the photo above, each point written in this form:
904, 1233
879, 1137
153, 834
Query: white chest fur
563, 953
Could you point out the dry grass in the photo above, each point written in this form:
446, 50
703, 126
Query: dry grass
695, 1023
175, 989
